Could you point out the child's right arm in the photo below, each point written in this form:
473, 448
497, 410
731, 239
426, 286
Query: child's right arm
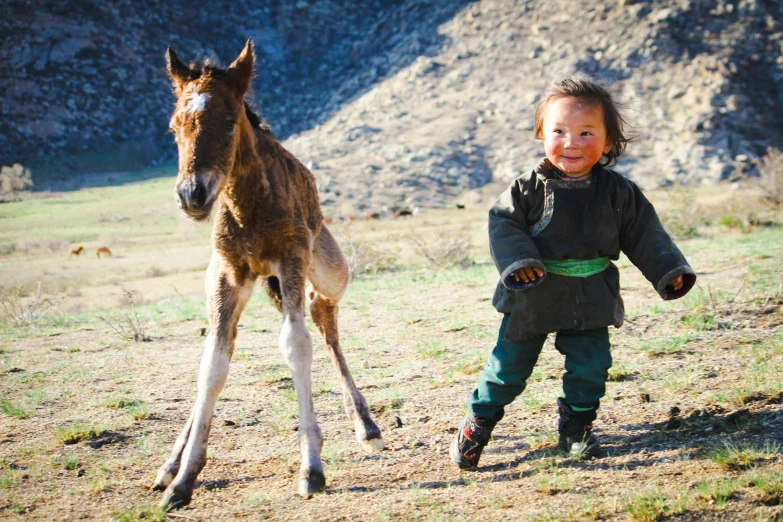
513, 250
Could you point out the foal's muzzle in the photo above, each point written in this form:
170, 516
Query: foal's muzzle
195, 197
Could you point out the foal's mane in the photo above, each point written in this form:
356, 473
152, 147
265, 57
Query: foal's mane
208, 70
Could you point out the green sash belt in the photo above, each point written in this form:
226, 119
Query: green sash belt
577, 267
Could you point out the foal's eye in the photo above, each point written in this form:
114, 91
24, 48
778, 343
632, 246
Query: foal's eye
230, 126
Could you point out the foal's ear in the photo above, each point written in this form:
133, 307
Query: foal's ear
241, 71
178, 71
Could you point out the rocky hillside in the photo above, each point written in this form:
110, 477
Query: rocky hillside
405, 103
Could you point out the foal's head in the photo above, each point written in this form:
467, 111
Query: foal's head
210, 107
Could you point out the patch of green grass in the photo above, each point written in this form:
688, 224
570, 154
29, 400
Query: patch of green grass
675, 382
70, 462
9, 479
718, 491
739, 455
665, 346
554, 479
470, 368
146, 513
284, 415
769, 483
29, 377
77, 432
12, 410
431, 350
275, 373
141, 412
653, 504
619, 373
118, 403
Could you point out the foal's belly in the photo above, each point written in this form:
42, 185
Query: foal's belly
263, 268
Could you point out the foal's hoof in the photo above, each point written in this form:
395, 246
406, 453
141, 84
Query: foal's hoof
175, 498
162, 481
311, 482
372, 445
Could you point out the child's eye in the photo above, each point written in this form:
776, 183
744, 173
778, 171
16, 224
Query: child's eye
558, 131
586, 133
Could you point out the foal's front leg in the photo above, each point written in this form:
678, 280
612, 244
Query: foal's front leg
226, 298
297, 348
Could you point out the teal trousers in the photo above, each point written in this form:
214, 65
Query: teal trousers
504, 377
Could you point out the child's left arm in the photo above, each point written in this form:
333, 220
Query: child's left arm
649, 247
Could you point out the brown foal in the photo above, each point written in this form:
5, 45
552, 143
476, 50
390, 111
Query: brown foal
267, 226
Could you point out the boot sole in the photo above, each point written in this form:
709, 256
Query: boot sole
457, 458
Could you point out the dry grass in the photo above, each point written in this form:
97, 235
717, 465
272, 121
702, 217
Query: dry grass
19, 309
771, 175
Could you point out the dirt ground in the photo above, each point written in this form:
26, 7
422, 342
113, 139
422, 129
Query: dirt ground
691, 422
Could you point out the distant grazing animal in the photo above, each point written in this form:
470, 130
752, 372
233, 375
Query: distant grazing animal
401, 213
76, 251
267, 226
103, 250
460, 206
372, 215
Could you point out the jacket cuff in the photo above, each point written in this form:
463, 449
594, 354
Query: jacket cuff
507, 275
688, 280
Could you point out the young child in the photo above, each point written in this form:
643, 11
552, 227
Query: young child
553, 234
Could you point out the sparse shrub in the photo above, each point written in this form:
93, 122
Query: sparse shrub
14, 179
29, 245
18, 310
771, 175
681, 216
365, 258
129, 327
155, 271
446, 251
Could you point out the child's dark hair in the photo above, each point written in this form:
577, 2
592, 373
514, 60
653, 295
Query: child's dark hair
581, 86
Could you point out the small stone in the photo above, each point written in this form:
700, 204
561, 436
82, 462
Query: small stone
674, 411
365, 364
227, 422
397, 422
644, 397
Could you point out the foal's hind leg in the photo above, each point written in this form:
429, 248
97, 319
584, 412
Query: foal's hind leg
226, 297
329, 275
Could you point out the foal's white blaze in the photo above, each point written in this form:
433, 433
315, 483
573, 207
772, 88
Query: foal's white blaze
196, 102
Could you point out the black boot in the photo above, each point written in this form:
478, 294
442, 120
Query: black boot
473, 434
576, 435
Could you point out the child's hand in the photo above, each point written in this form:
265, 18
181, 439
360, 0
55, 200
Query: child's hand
676, 283
528, 274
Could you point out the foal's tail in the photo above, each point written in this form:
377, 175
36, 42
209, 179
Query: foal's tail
272, 287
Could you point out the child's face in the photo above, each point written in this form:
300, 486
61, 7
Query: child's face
574, 135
